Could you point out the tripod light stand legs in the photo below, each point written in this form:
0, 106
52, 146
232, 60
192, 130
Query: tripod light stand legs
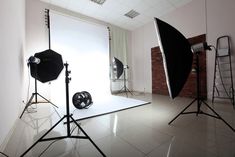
47, 101
42, 139
30, 102
199, 101
199, 111
27, 105
124, 88
87, 137
67, 117
182, 112
219, 117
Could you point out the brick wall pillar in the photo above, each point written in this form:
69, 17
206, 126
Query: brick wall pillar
159, 85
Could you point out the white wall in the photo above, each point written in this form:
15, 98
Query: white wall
12, 34
143, 39
189, 19
220, 21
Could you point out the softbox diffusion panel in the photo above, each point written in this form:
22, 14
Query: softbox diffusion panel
118, 67
49, 68
177, 56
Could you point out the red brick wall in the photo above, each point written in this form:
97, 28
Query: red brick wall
159, 85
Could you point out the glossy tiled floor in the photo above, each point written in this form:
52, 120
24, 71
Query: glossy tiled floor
137, 132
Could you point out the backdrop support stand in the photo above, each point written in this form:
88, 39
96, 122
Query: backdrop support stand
68, 116
200, 101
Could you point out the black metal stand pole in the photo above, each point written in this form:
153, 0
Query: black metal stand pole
67, 117
200, 102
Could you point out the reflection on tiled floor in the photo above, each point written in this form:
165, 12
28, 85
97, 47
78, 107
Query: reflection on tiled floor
138, 132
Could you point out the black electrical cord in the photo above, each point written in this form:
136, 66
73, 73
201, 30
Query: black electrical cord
4, 154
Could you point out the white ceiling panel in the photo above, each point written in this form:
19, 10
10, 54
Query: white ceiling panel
144, 19
160, 9
142, 6
112, 11
114, 6
129, 3
61, 3
152, 2
179, 3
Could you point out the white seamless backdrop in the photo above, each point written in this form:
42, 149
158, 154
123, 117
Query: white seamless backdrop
85, 47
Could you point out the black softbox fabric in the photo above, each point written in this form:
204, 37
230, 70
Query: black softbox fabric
177, 56
49, 68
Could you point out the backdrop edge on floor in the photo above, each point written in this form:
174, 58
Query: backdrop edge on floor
131, 103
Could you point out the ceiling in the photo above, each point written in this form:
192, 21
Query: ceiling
112, 11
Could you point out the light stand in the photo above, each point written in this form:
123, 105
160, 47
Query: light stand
35, 61
200, 101
35, 95
124, 88
67, 117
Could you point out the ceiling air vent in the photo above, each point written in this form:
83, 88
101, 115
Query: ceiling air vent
131, 14
100, 2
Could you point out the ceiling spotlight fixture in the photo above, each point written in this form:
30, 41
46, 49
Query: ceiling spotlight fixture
100, 2
132, 14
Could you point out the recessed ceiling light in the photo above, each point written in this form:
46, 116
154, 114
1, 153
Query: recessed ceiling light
131, 14
100, 2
